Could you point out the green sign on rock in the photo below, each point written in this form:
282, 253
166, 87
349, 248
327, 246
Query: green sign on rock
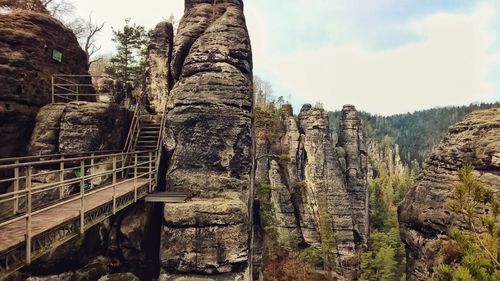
57, 55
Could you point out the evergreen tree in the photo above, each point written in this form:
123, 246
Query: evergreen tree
471, 255
385, 257
129, 63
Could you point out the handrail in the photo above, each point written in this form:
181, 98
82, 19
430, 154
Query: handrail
63, 86
133, 127
12, 159
66, 160
162, 127
31, 208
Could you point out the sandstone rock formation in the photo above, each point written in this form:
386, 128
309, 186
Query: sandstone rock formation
158, 77
384, 157
27, 41
312, 192
424, 215
119, 277
208, 144
352, 146
79, 127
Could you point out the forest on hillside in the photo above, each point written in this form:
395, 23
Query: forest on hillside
415, 133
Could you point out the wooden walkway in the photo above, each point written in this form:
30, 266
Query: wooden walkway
13, 234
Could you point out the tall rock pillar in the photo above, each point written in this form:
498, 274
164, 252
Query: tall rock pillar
158, 76
353, 150
208, 144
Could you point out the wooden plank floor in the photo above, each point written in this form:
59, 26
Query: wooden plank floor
14, 233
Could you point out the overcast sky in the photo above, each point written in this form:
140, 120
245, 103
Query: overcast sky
384, 56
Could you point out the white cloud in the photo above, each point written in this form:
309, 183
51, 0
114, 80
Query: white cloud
448, 66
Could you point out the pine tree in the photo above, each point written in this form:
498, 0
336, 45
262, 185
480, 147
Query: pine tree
129, 63
475, 253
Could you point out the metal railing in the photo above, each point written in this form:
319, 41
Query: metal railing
134, 130
76, 179
67, 87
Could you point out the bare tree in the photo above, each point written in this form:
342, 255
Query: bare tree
263, 91
59, 8
90, 46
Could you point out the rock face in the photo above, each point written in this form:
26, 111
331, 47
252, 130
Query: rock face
27, 41
208, 143
158, 77
315, 187
424, 215
352, 146
384, 157
79, 127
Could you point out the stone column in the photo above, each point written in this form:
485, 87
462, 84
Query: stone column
209, 145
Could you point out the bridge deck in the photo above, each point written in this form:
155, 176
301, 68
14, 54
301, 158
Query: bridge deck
14, 233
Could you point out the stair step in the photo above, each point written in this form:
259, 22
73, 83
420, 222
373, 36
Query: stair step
149, 134
150, 126
147, 139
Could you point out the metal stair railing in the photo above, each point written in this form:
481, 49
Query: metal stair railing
133, 135
159, 149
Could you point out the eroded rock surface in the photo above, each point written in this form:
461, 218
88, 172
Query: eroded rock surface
208, 142
27, 41
424, 215
79, 127
311, 192
352, 147
158, 76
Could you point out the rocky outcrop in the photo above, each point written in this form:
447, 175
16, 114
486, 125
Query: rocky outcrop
424, 215
27, 41
79, 127
208, 143
311, 190
351, 147
384, 158
119, 277
158, 76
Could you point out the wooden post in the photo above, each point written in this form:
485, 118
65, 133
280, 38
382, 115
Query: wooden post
28, 217
53, 90
16, 188
135, 177
114, 185
122, 160
92, 162
77, 97
61, 177
150, 171
82, 196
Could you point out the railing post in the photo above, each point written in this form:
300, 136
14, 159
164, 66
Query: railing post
82, 195
28, 215
135, 177
122, 161
53, 90
16, 188
150, 171
92, 162
114, 185
61, 177
77, 98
